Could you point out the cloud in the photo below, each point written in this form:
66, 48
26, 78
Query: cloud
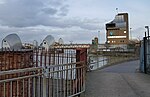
50, 11
35, 19
137, 33
63, 10
28, 34
26, 13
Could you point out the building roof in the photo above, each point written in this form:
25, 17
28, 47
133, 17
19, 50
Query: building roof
118, 22
14, 41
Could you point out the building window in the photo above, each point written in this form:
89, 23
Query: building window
121, 40
125, 31
108, 41
119, 18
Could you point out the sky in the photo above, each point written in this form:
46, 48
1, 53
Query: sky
77, 21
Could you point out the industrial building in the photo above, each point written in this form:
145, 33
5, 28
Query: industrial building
117, 34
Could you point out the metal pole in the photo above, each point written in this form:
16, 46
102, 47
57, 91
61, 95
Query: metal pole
147, 27
148, 31
147, 48
145, 69
97, 61
117, 10
98, 36
130, 34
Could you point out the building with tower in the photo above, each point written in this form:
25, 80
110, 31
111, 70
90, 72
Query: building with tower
117, 31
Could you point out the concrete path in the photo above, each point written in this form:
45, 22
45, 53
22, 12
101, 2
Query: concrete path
120, 80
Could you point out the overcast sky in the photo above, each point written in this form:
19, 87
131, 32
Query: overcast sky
73, 20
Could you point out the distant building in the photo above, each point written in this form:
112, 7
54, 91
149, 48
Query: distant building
61, 41
12, 42
96, 40
94, 46
117, 34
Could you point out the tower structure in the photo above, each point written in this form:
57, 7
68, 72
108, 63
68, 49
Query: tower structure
117, 34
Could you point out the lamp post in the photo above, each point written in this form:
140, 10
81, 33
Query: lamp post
130, 34
146, 50
147, 27
117, 10
98, 36
71, 41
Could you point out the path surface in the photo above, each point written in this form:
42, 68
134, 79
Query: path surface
120, 80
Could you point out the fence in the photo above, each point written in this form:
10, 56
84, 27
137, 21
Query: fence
100, 61
42, 73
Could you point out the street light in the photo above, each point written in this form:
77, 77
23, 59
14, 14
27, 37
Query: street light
71, 42
130, 34
98, 37
117, 10
147, 27
145, 50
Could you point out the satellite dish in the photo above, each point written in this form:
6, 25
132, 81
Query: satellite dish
48, 42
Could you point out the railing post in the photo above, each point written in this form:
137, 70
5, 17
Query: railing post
81, 55
44, 86
45, 74
145, 56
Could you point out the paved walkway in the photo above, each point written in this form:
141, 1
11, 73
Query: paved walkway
120, 80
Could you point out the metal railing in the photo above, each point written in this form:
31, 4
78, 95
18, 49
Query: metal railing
53, 74
99, 61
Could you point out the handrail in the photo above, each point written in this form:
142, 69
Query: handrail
19, 70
